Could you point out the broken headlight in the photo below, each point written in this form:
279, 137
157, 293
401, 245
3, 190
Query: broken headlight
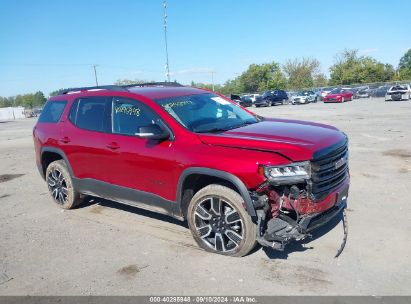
288, 174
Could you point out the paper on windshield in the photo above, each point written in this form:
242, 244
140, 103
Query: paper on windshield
221, 100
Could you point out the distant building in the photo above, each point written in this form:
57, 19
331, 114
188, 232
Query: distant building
11, 113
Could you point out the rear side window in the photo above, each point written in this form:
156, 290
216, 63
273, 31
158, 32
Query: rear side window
91, 113
52, 111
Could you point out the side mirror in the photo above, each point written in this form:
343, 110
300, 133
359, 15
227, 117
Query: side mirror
153, 131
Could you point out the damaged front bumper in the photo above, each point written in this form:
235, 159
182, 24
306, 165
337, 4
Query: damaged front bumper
279, 231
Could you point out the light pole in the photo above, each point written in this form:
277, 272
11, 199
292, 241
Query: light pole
165, 40
212, 79
95, 73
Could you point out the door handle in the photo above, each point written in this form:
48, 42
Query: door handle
113, 146
65, 140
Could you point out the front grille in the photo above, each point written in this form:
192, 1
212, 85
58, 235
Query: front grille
329, 170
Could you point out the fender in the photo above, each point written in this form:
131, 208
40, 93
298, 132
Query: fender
220, 174
59, 152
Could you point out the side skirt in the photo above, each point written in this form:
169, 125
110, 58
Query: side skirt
127, 196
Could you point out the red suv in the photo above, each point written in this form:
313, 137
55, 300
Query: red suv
236, 177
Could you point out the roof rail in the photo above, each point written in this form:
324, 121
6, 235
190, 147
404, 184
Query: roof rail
121, 88
154, 84
105, 87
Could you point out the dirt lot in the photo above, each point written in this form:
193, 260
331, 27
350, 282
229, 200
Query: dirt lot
104, 248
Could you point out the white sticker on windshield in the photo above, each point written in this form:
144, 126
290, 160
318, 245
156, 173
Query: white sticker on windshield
221, 100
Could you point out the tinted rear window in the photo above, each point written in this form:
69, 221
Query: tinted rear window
52, 111
91, 113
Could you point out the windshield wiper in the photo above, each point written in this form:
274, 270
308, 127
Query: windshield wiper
246, 123
216, 129
212, 130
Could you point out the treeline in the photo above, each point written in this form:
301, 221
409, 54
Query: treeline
349, 68
30, 101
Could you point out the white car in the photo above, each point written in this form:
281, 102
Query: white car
304, 97
324, 92
253, 97
398, 92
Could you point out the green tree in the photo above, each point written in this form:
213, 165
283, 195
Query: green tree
260, 77
404, 67
55, 92
320, 80
208, 86
350, 68
301, 72
6, 102
257, 78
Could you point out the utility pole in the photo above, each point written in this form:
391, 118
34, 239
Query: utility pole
212, 79
95, 73
167, 68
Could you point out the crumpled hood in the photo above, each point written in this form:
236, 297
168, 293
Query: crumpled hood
296, 140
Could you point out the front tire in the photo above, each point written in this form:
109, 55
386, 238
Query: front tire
60, 185
219, 222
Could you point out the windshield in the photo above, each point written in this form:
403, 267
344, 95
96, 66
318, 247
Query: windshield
206, 112
398, 88
336, 91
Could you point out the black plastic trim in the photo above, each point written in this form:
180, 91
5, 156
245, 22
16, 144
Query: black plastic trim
128, 196
324, 152
59, 152
220, 174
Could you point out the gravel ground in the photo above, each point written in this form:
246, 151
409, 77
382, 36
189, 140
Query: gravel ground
104, 248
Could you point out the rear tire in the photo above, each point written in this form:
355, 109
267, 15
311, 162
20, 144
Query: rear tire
219, 222
60, 185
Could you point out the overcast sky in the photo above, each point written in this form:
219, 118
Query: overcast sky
48, 44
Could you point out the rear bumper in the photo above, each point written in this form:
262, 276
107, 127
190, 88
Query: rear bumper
396, 97
262, 103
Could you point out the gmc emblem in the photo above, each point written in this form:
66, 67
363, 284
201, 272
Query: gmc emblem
340, 162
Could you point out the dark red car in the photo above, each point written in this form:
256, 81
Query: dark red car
236, 177
338, 95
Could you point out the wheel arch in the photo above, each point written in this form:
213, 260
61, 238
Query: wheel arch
50, 154
195, 178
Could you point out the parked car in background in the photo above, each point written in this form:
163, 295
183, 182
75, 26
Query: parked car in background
304, 97
245, 101
260, 102
354, 92
235, 97
398, 92
275, 97
253, 97
363, 92
380, 91
317, 92
324, 92
338, 95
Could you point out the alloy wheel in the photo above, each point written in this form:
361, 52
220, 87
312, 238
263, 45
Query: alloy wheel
219, 224
57, 186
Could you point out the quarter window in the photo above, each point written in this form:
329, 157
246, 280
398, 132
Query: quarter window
52, 111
